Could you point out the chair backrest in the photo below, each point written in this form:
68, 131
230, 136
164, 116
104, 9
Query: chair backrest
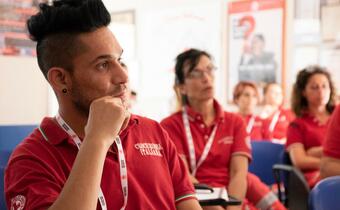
2, 194
296, 189
4, 156
325, 195
12, 135
265, 155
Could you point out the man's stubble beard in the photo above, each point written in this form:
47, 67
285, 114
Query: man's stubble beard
82, 102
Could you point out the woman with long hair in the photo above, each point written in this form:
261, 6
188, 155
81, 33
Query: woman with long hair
313, 101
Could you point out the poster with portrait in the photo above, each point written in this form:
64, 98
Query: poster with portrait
255, 41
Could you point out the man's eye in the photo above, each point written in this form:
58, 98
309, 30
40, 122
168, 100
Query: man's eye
103, 65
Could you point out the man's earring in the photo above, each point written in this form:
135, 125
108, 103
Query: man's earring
64, 90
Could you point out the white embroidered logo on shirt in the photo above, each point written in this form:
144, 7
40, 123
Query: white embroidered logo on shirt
226, 140
149, 149
18, 202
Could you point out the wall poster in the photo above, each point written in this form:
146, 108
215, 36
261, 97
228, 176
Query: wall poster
256, 41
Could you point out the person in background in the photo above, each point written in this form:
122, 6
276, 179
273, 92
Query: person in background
213, 143
246, 97
275, 118
330, 161
313, 101
94, 154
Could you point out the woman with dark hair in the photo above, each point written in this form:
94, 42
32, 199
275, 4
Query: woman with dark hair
313, 101
213, 143
246, 97
274, 116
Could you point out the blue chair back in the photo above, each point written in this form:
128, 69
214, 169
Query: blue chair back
2, 194
265, 155
12, 135
4, 156
325, 195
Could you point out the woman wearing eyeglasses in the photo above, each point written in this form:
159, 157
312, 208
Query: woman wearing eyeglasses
313, 102
213, 143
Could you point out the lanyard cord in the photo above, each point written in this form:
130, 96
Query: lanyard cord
274, 121
191, 146
250, 124
121, 157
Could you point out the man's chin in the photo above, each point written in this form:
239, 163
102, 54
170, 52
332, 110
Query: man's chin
83, 109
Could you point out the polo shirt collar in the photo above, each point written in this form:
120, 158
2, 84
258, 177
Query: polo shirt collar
193, 115
132, 122
56, 135
51, 130
310, 117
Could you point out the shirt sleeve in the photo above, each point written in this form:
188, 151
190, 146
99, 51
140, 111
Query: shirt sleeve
173, 127
29, 186
294, 134
183, 188
332, 142
241, 145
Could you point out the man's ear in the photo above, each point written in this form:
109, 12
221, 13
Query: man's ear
60, 79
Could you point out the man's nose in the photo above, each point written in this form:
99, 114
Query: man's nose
120, 76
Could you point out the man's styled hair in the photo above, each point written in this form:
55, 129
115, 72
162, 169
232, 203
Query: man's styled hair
55, 29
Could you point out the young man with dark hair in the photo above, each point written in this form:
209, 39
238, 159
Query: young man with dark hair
94, 154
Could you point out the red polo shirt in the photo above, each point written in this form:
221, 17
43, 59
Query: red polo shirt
279, 133
230, 139
306, 130
332, 142
38, 169
256, 132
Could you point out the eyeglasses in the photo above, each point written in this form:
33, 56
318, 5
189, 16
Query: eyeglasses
199, 73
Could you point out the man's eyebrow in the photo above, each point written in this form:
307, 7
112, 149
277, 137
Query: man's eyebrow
119, 58
108, 56
121, 53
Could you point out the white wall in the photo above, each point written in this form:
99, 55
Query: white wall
163, 33
23, 91
165, 28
